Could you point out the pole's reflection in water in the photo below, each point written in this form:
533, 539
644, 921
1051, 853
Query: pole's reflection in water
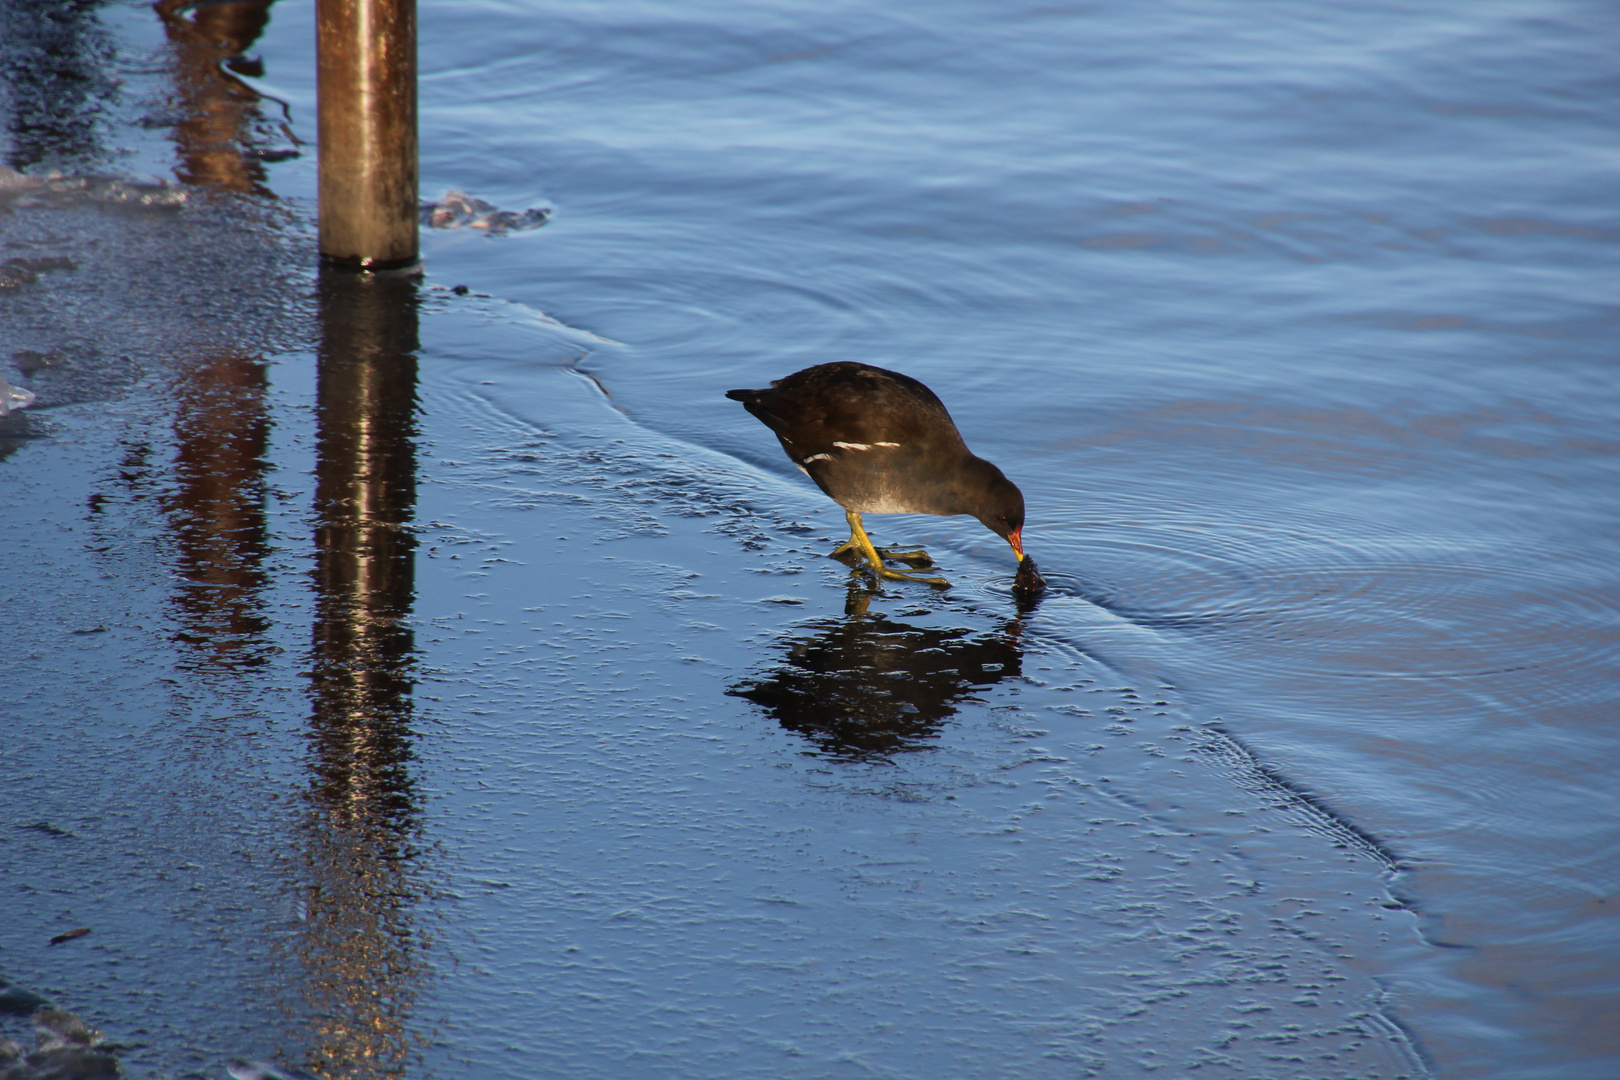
866, 686
217, 513
362, 945
220, 124
217, 510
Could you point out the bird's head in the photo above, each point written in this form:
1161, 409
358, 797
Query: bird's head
1001, 509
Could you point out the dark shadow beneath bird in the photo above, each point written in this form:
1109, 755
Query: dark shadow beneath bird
879, 442
867, 686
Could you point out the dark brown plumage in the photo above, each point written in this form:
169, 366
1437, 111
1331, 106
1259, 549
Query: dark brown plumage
879, 442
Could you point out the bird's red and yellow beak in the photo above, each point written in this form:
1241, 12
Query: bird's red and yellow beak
1016, 539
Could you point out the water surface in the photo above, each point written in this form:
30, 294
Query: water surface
1293, 325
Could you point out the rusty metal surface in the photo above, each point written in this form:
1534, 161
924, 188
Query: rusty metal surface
366, 80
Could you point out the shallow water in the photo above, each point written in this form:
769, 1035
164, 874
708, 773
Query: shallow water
522, 751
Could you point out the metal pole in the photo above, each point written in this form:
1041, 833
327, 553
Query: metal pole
365, 56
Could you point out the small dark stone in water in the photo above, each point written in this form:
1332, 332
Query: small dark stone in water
13, 276
47, 828
20, 1002
69, 935
1028, 580
459, 290
28, 361
42, 264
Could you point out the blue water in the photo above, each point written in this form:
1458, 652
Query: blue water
1295, 324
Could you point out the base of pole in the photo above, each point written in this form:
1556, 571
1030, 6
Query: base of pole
412, 267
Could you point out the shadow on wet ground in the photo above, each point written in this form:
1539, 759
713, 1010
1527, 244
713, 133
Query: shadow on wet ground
868, 686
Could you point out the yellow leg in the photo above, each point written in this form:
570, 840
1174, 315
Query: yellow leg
915, 557
861, 545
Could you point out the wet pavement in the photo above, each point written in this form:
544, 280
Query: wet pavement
544, 636
438, 677
299, 612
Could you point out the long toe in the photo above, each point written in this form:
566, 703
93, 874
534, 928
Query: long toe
915, 557
897, 575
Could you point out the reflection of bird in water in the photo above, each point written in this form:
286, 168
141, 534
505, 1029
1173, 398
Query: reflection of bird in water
867, 685
879, 442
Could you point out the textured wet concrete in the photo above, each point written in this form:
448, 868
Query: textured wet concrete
374, 641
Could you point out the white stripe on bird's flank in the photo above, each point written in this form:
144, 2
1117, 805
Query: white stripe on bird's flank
862, 445
819, 457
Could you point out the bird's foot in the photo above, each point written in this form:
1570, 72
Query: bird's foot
859, 552
857, 562
850, 552
916, 558
883, 573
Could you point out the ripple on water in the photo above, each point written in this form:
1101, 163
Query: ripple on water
721, 312
1268, 601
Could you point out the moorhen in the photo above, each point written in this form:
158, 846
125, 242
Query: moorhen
879, 442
